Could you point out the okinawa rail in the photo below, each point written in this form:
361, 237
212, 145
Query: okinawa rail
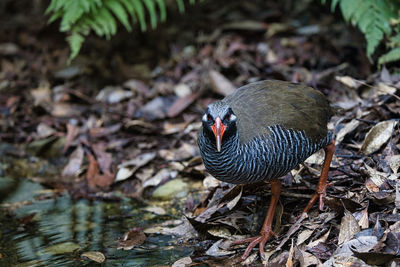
261, 132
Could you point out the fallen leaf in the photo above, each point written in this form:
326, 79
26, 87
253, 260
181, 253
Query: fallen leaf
60, 248
303, 236
173, 188
162, 175
65, 110
289, 262
348, 128
182, 103
128, 168
377, 136
72, 133
394, 163
113, 94
186, 261
220, 84
133, 238
96, 179
220, 232
74, 162
94, 256
348, 227
156, 108
156, 210
216, 251
42, 95
182, 90
349, 81
43, 130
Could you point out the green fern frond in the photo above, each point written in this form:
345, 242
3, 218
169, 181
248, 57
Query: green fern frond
392, 55
80, 17
75, 41
372, 17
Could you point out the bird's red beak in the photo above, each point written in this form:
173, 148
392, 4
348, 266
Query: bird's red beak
218, 129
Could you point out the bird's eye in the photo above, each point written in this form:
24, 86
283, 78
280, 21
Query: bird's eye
228, 117
209, 118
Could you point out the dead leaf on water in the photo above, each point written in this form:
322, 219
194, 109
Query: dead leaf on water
96, 256
133, 238
377, 136
186, 261
60, 248
156, 210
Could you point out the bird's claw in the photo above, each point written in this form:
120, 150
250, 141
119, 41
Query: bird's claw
260, 239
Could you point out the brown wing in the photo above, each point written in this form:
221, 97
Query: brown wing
266, 103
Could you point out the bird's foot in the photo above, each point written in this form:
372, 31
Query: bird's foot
321, 193
260, 239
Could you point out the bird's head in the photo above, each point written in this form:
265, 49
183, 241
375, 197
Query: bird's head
218, 121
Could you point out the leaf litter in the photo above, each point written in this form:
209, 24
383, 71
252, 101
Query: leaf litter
137, 135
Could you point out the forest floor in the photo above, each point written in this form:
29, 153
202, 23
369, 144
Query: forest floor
125, 115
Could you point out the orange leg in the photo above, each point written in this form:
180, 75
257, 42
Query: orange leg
322, 185
266, 230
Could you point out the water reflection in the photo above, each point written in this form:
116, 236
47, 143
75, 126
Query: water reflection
63, 228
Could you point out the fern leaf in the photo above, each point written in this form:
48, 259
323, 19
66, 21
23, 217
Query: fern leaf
181, 6
348, 7
392, 55
374, 35
55, 5
105, 22
152, 12
75, 41
139, 10
163, 10
119, 12
72, 13
334, 4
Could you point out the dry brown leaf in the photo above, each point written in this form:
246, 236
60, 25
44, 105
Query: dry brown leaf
216, 251
289, 262
74, 163
348, 228
113, 94
377, 136
182, 103
133, 238
348, 128
364, 222
186, 261
231, 204
42, 95
322, 239
349, 81
96, 179
156, 210
376, 179
128, 168
96, 256
220, 84
303, 236
43, 130
72, 133
221, 232
394, 163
